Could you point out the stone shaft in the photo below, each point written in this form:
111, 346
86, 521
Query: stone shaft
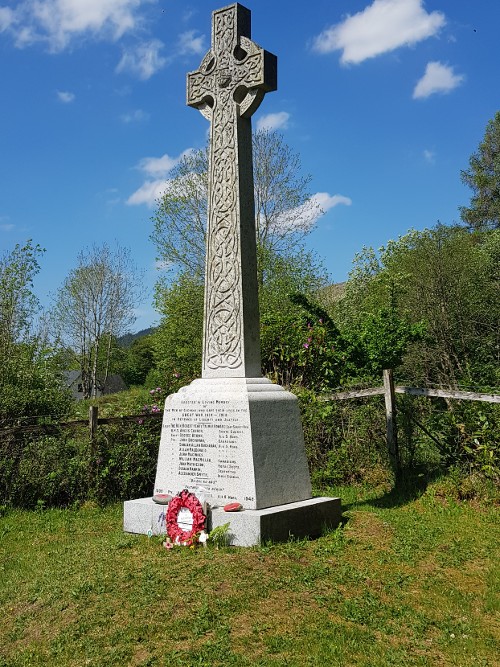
227, 88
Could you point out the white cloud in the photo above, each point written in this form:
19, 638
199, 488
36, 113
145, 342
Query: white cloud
190, 44
136, 116
148, 193
160, 166
326, 201
274, 121
153, 188
438, 78
6, 18
429, 156
58, 22
383, 26
304, 217
144, 60
6, 227
65, 96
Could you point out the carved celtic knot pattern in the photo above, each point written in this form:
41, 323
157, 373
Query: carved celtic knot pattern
225, 86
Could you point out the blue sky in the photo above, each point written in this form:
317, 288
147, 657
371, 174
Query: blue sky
385, 100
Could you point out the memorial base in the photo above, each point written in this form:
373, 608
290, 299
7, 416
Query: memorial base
306, 518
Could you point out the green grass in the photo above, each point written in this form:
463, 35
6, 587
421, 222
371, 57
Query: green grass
408, 580
123, 403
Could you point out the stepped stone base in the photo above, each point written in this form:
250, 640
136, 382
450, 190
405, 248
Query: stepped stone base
306, 518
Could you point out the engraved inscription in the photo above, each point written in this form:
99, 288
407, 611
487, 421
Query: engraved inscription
205, 440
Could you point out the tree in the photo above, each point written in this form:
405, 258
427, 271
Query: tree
285, 213
441, 284
136, 360
29, 379
483, 177
178, 338
284, 209
18, 304
177, 341
95, 305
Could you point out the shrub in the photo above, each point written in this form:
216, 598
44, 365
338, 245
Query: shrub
65, 467
345, 440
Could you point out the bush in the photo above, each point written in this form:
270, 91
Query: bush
65, 467
345, 440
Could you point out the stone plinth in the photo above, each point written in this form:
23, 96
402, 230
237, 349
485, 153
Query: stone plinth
238, 438
144, 516
307, 518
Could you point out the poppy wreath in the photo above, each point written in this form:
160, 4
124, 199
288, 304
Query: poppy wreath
187, 500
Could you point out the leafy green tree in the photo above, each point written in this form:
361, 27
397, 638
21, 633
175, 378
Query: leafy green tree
177, 342
18, 304
136, 361
441, 285
30, 383
94, 306
302, 346
483, 177
285, 213
283, 208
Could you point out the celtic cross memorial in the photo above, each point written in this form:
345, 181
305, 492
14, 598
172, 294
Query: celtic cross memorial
227, 88
232, 435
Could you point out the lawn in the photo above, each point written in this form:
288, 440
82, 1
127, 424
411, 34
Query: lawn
407, 580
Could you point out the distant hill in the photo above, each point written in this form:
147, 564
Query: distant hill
127, 339
332, 293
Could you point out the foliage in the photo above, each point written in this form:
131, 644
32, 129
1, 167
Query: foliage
483, 177
283, 208
219, 536
31, 386
30, 383
136, 361
120, 404
441, 284
177, 342
344, 440
383, 339
302, 346
65, 467
18, 304
94, 306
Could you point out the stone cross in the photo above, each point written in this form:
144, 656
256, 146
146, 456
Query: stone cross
227, 88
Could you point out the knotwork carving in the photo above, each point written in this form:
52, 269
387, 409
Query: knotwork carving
229, 84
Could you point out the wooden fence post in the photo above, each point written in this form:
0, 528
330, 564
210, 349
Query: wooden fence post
390, 419
93, 416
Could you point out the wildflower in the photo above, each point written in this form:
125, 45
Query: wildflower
140, 421
309, 340
321, 320
306, 345
176, 375
158, 390
152, 392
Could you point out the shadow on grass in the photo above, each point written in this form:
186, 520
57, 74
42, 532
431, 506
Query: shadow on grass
410, 485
